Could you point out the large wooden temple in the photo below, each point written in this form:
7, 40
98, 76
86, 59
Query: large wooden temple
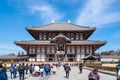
66, 42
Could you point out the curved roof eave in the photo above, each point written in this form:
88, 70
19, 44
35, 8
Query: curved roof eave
61, 27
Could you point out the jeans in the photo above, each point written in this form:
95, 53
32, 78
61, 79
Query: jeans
41, 73
21, 76
26, 71
67, 74
80, 70
12, 74
15, 73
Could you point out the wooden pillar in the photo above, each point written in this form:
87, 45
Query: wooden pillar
36, 53
85, 50
55, 58
66, 59
93, 50
45, 53
75, 59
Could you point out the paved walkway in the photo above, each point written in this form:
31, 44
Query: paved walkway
74, 75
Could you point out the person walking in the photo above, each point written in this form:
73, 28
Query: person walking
3, 75
80, 67
93, 75
12, 68
67, 70
118, 71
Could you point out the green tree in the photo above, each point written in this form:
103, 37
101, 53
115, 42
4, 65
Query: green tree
11, 61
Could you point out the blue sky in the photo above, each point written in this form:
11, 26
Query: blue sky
15, 15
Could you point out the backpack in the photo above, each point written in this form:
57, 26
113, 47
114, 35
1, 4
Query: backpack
12, 69
67, 68
21, 68
46, 68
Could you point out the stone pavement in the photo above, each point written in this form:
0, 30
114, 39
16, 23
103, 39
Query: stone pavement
74, 75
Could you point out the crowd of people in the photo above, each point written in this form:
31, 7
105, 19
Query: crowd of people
34, 70
44, 70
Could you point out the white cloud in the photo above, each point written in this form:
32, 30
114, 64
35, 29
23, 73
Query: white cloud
39, 8
97, 13
46, 12
5, 49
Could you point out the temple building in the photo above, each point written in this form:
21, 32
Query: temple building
66, 42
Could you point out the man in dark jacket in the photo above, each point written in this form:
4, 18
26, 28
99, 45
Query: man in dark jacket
3, 75
21, 69
67, 70
80, 67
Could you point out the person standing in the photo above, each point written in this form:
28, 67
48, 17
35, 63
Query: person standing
12, 68
118, 71
80, 67
93, 75
26, 68
15, 71
21, 69
67, 70
41, 70
46, 69
3, 75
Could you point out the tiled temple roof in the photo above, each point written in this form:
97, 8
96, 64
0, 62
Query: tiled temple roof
87, 42
61, 27
110, 56
12, 57
38, 42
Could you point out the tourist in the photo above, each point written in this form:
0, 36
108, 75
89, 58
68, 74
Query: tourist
41, 69
31, 69
80, 67
36, 71
46, 68
53, 69
15, 71
67, 70
118, 71
21, 69
49, 66
26, 68
3, 75
93, 75
12, 68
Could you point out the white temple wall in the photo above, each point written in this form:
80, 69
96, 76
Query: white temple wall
78, 53
40, 53
89, 50
32, 50
82, 53
70, 49
31, 59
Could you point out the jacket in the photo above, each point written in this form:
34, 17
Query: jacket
3, 75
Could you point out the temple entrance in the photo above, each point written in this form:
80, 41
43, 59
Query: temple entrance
60, 57
71, 57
